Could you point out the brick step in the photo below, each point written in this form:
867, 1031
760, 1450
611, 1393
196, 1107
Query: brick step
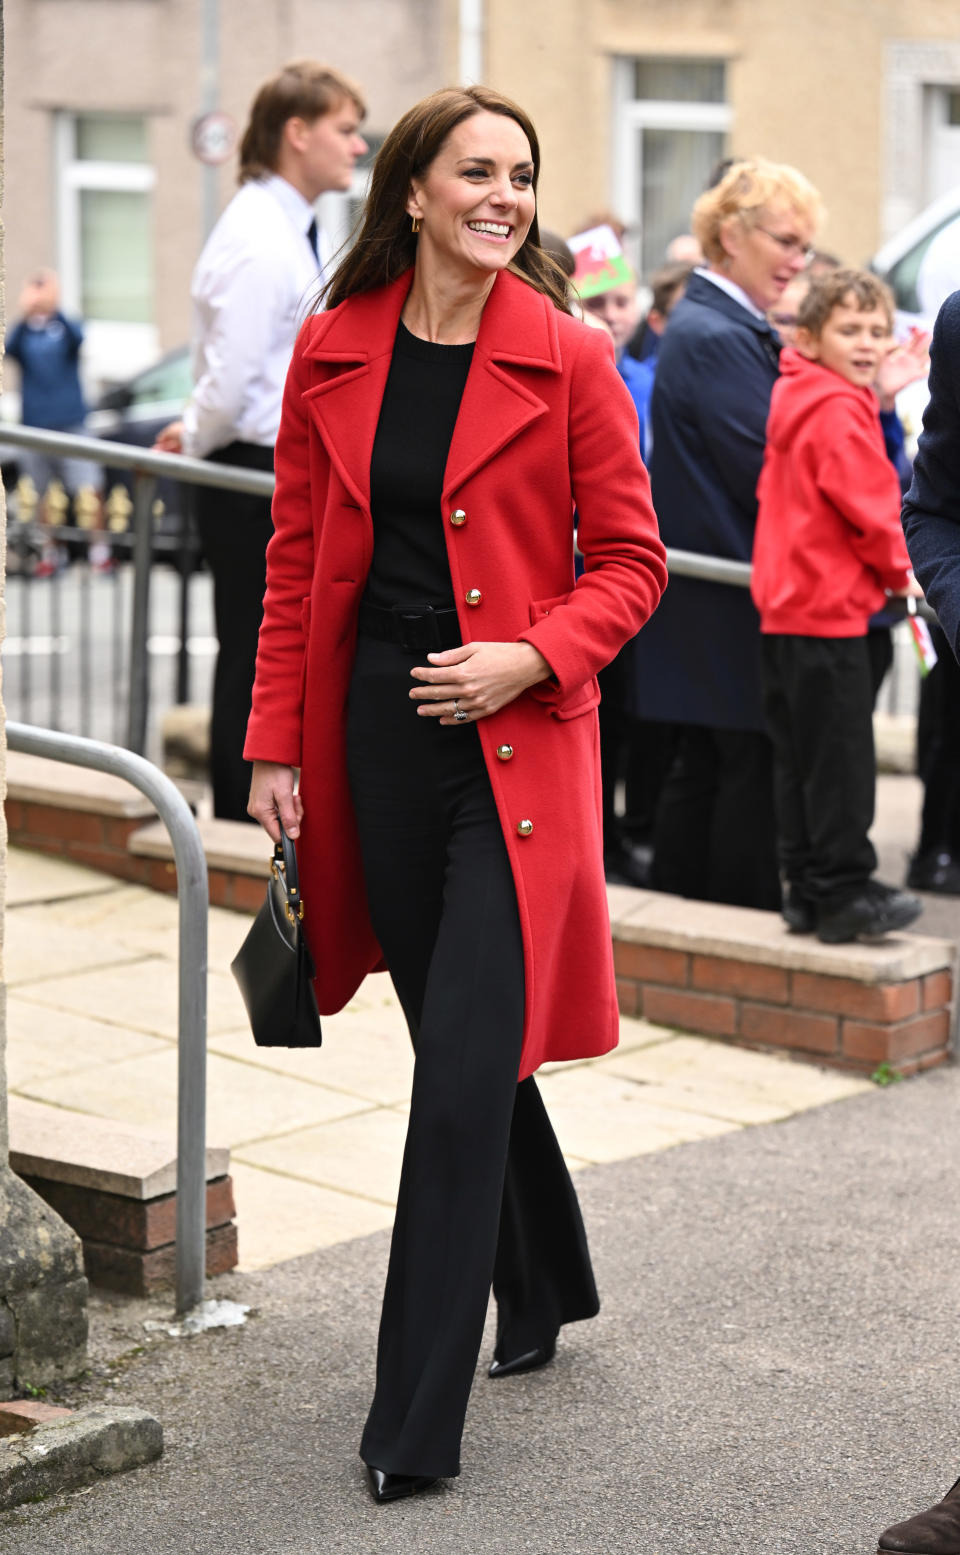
115, 1184
736, 973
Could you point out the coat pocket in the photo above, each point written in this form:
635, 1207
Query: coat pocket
305, 618
584, 697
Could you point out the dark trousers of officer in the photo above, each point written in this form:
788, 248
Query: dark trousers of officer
234, 530
818, 701
484, 1191
938, 752
715, 833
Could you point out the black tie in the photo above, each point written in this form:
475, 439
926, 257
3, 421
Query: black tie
312, 240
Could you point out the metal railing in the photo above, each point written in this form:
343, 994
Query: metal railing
129, 667
192, 896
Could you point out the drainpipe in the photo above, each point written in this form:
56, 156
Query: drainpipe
471, 62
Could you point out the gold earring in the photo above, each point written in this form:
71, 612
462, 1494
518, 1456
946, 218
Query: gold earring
415, 224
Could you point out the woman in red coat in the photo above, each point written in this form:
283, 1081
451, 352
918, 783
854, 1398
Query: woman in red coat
428, 664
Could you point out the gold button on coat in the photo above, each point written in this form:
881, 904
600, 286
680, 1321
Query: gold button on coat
473, 596
524, 828
458, 517
504, 752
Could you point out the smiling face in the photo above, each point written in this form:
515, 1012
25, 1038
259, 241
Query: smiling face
476, 201
853, 342
765, 251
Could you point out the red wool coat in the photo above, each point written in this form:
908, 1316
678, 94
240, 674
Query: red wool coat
545, 423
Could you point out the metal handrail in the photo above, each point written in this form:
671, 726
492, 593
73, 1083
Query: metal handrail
192, 897
145, 461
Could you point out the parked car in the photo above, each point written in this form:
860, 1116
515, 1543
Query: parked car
134, 412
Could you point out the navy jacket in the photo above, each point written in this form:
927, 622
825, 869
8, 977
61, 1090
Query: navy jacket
698, 658
49, 371
931, 509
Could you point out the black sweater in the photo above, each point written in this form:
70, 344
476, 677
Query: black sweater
417, 418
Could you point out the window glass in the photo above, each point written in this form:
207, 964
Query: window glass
676, 165
680, 80
116, 264
111, 138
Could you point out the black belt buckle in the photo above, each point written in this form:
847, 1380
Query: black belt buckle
418, 631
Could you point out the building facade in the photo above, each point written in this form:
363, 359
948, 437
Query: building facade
634, 101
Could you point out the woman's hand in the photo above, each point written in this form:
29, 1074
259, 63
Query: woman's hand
480, 677
272, 795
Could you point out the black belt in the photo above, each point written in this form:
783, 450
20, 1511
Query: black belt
415, 629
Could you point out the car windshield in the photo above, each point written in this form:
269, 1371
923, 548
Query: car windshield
168, 379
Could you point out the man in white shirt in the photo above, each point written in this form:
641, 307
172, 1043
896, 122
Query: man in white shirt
255, 282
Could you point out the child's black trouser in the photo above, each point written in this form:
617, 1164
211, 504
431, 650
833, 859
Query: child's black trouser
818, 701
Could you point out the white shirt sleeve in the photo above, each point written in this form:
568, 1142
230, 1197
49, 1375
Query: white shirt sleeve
238, 311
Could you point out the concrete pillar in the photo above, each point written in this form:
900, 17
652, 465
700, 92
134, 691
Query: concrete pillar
43, 1292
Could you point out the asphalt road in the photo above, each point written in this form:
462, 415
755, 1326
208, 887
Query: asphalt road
775, 1371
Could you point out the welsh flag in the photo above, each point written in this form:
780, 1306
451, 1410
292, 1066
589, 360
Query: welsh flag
601, 264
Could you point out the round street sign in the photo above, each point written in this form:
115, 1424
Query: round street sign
213, 137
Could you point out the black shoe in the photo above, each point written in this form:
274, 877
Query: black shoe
878, 909
934, 1532
934, 871
799, 913
530, 1360
393, 1487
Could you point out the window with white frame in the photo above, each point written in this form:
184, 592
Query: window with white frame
105, 187
671, 120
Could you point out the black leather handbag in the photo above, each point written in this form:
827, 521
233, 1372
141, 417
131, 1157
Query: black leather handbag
273, 966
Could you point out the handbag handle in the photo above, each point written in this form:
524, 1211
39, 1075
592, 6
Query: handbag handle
284, 867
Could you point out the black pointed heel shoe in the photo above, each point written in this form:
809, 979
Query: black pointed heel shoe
530, 1360
393, 1487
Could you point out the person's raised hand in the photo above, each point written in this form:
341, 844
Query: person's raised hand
479, 677
272, 796
906, 363
169, 440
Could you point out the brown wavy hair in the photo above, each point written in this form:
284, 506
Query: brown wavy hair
304, 90
385, 246
834, 289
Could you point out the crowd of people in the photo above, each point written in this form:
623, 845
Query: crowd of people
463, 563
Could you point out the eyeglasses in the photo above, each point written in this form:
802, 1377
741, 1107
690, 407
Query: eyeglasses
789, 246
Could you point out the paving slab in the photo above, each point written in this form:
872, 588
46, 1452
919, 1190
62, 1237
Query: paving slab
601, 1117
373, 1066
360, 1154
31, 953
243, 1103
730, 1082
42, 1042
41, 877
281, 1217
139, 995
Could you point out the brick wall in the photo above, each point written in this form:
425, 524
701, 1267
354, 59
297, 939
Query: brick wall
836, 1020
102, 842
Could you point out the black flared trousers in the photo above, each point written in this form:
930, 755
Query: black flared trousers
484, 1194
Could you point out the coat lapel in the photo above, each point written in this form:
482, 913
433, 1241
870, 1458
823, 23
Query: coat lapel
354, 346
517, 331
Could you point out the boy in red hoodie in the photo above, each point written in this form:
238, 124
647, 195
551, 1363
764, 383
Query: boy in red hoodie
828, 549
